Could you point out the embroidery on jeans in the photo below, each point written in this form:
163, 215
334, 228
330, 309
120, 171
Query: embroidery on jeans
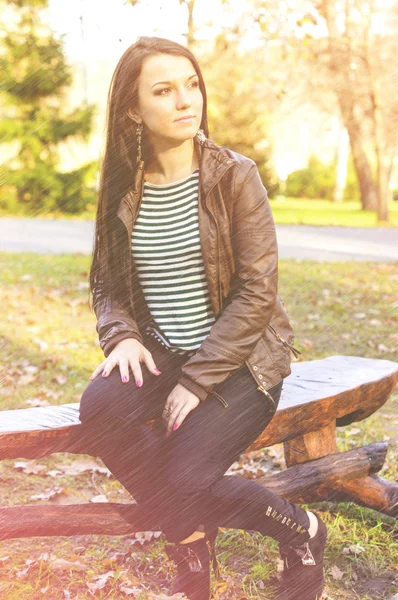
271, 512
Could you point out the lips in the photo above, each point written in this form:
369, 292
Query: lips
185, 118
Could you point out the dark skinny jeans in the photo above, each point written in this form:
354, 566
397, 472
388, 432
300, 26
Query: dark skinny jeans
178, 481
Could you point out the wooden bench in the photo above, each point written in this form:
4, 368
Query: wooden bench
318, 396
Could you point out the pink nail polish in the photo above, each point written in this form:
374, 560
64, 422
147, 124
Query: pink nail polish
104, 374
139, 383
124, 378
157, 371
175, 427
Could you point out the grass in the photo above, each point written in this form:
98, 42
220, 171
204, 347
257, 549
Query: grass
287, 211
48, 350
297, 211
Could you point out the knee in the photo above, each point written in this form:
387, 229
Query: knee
107, 396
91, 402
184, 481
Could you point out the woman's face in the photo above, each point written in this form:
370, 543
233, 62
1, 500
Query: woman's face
168, 91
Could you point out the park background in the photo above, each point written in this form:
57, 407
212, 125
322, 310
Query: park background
305, 88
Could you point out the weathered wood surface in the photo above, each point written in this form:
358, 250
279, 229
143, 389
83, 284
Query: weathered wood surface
314, 444
298, 483
371, 491
318, 393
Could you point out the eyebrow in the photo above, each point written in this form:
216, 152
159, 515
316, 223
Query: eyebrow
158, 82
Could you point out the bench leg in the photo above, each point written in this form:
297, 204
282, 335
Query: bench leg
310, 446
371, 491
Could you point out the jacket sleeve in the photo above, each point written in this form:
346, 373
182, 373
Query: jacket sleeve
240, 325
114, 322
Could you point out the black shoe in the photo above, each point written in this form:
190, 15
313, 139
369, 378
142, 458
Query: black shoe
302, 577
193, 566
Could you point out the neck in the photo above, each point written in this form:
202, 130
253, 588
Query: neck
171, 163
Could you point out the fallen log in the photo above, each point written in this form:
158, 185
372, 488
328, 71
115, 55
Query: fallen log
300, 482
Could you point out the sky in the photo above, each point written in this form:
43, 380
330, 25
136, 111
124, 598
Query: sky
103, 30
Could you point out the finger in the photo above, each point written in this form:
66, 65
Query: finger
137, 373
124, 369
150, 363
108, 367
97, 370
169, 415
178, 418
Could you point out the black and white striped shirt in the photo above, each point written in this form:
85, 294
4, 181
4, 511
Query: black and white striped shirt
167, 252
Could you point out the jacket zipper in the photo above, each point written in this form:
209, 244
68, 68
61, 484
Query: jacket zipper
264, 391
221, 399
279, 337
218, 240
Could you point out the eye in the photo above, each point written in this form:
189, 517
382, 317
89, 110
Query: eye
160, 92
195, 83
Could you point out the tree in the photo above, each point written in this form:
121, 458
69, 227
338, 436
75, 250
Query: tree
346, 48
33, 79
238, 107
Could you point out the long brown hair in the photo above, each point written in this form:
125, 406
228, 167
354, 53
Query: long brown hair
118, 168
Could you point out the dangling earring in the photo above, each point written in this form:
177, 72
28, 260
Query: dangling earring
200, 136
138, 133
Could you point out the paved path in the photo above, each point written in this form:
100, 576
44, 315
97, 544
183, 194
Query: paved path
58, 236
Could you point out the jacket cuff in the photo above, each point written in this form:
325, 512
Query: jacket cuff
109, 346
193, 387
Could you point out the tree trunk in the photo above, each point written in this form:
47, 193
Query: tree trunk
342, 153
191, 27
362, 167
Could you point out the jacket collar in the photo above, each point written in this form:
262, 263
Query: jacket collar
213, 162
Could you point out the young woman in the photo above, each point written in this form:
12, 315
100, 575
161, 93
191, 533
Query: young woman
184, 284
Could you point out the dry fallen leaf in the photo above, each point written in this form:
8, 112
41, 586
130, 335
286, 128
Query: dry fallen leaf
99, 498
37, 402
26, 379
130, 591
100, 582
142, 537
30, 468
23, 573
60, 564
336, 573
47, 494
31, 369
354, 549
307, 344
82, 465
353, 431
165, 597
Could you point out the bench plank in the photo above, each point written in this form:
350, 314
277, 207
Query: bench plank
340, 389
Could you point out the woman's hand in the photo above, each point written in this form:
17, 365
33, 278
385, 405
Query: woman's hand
128, 352
178, 405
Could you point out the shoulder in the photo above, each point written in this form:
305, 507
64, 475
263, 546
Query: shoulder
222, 154
241, 167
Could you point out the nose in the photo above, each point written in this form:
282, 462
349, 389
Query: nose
183, 100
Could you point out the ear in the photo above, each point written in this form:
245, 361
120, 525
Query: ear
132, 114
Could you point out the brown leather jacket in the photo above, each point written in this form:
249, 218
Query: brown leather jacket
240, 255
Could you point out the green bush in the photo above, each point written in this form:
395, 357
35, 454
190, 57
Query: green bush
317, 180
42, 189
314, 181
